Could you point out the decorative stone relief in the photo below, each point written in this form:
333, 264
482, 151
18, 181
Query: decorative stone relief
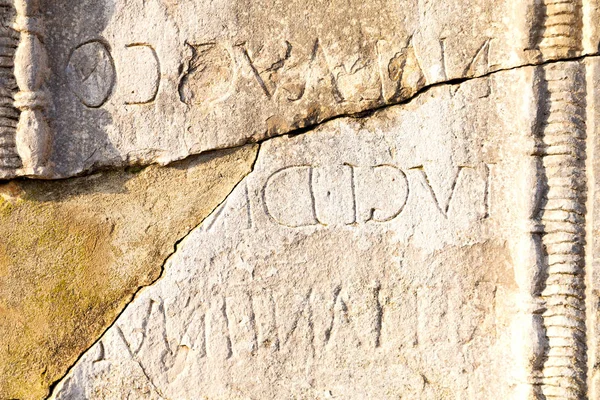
31, 70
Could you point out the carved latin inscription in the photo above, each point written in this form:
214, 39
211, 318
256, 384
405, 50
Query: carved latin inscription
91, 73
281, 71
209, 74
142, 83
246, 321
307, 195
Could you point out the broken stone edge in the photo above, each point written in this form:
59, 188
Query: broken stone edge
559, 30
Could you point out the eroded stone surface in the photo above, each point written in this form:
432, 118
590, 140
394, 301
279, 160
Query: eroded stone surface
154, 81
367, 259
440, 249
72, 254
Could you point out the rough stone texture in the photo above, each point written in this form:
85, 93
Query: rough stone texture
367, 259
73, 253
214, 74
434, 239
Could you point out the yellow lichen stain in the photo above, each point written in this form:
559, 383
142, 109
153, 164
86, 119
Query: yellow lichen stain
53, 261
9, 198
74, 252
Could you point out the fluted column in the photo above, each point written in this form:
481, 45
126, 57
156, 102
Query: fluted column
563, 133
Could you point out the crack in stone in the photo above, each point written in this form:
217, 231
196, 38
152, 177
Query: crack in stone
359, 115
54, 384
455, 81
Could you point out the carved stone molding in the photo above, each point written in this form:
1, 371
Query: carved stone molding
563, 219
31, 71
556, 355
9, 115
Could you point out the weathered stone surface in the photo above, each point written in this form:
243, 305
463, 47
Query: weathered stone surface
74, 252
153, 81
442, 247
370, 258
